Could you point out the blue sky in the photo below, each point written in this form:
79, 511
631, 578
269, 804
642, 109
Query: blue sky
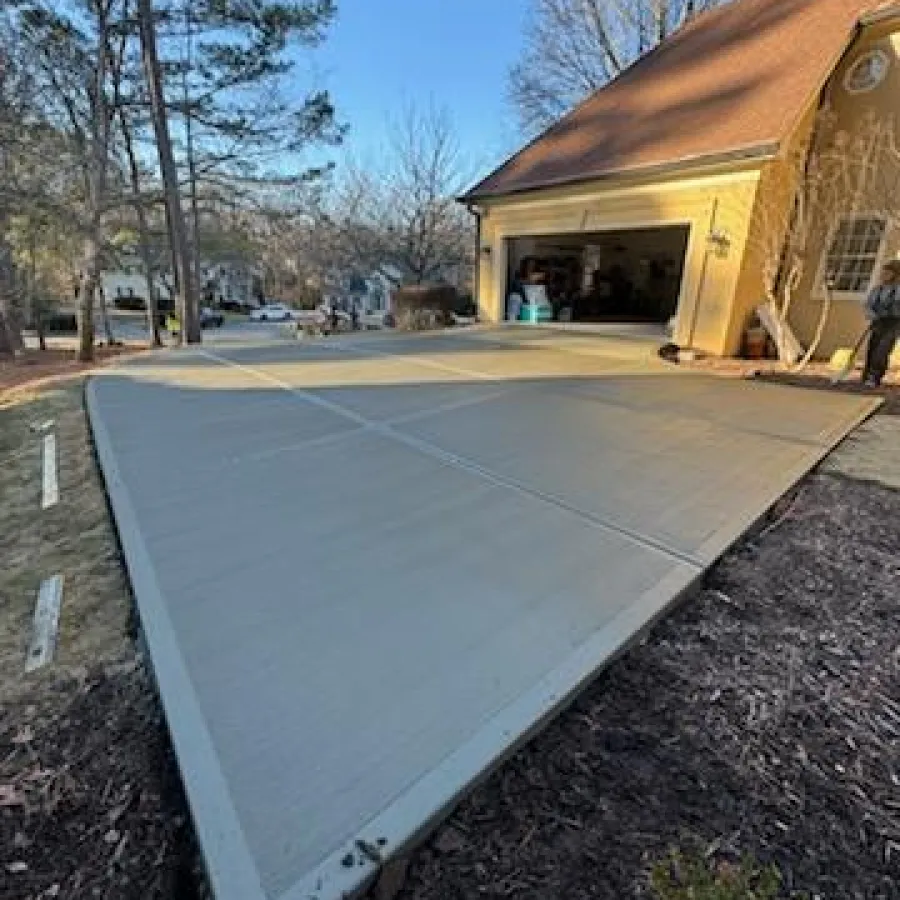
381, 54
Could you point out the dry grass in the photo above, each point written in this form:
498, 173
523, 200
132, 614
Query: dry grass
74, 538
90, 803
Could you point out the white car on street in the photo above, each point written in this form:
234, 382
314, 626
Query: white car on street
272, 312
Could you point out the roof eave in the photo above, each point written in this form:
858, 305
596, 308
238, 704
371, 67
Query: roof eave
878, 16
688, 164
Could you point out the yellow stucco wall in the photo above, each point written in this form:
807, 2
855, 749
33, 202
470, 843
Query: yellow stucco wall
721, 201
846, 320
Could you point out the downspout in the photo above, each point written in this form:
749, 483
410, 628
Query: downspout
476, 280
707, 249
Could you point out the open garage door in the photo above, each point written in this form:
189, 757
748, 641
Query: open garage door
632, 275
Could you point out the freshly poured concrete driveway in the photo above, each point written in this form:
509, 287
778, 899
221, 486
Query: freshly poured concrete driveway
365, 569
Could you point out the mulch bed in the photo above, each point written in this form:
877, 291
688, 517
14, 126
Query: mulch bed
889, 392
32, 366
90, 802
762, 717
817, 376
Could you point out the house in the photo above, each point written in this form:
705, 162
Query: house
371, 293
125, 285
649, 199
230, 282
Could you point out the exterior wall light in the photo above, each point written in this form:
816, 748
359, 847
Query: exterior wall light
720, 241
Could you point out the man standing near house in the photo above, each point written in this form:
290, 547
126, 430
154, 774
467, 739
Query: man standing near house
883, 310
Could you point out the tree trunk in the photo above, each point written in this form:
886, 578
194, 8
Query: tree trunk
89, 280
39, 328
10, 332
181, 254
189, 149
35, 302
137, 201
104, 315
96, 175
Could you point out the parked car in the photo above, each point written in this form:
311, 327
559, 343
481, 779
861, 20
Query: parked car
210, 318
272, 312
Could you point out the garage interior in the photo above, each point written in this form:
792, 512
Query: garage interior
611, 276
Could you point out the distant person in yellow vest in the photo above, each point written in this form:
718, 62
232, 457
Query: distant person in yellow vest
883, 311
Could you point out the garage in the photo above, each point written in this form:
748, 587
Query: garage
632, 275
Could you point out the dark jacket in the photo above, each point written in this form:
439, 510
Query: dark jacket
883, 302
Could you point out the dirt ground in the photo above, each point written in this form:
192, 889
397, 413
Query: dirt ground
54, 363
817, 376
90, 803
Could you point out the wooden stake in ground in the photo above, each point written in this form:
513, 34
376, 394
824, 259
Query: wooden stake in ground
49, 480
46, 624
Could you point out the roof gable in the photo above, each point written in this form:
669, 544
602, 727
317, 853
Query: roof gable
735, 80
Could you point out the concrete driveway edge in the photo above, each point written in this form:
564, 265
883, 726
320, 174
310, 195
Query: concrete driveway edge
229, 863
425, 804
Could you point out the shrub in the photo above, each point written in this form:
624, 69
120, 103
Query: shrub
690, 877
420, 319
418, 307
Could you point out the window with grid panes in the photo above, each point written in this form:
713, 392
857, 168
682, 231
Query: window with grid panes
853, 254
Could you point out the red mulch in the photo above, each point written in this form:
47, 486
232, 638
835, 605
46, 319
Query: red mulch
41, 366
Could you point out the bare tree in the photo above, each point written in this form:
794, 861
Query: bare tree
839, 176
70, 46
404, 221
573, 47
13, 101
182, 258
139, 204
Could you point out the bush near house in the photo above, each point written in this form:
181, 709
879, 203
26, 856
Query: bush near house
418, 307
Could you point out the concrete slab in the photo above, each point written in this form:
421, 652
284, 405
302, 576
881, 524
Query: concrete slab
367, 569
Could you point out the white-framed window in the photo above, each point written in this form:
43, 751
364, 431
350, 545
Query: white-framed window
867, 72
854, 253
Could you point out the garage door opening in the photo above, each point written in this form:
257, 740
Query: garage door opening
611, 276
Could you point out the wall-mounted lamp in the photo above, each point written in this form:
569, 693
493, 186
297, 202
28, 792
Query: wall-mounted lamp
720, 241
486, 250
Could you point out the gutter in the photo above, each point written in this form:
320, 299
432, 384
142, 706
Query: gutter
476, 279
752, 152
880, 15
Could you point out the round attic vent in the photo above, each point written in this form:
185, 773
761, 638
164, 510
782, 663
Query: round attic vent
867, 72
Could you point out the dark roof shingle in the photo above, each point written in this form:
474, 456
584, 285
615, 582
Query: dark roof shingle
736, 79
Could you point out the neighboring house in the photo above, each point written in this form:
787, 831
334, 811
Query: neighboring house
127, 281
232, 281
657, 180
371, 293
